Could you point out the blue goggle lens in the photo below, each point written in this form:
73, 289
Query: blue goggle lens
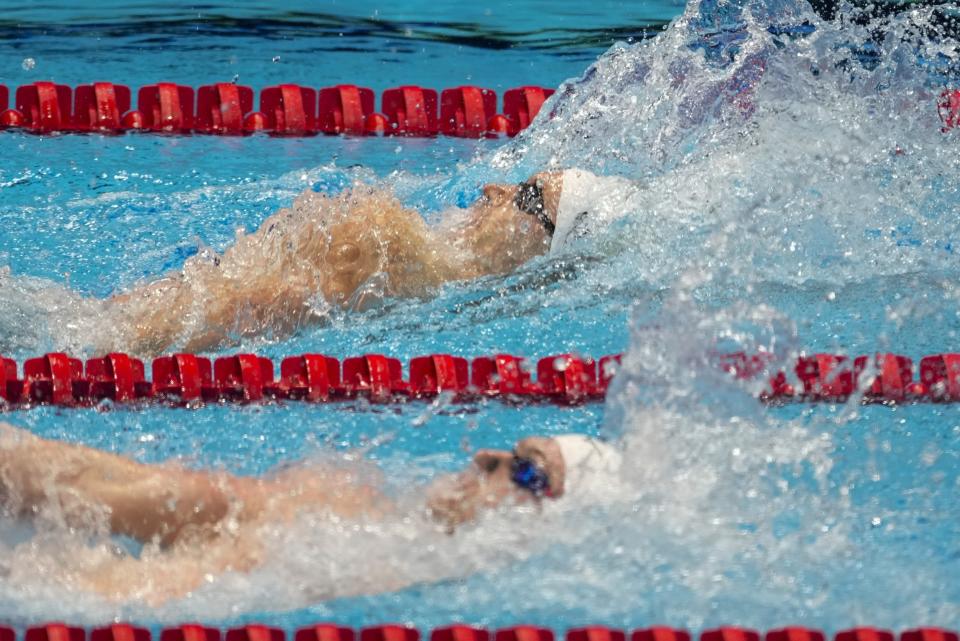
527, 475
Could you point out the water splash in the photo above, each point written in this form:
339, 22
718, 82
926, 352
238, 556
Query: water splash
779, 172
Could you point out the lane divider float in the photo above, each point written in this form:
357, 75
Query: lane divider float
393, 632
227, 109
949, 109
58, 379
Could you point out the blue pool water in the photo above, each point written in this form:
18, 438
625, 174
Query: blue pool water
799, 196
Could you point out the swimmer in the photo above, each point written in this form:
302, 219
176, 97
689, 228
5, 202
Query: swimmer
351, 251
200, 524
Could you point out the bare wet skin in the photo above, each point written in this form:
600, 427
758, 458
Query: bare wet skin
350, 250
197, 525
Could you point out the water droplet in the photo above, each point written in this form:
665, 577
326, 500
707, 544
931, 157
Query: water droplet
28, 64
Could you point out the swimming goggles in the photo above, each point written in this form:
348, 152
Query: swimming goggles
527, 475
529, 200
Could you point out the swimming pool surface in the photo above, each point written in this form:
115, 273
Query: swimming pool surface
800, 196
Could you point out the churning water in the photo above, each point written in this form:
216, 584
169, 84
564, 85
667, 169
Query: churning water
798, 194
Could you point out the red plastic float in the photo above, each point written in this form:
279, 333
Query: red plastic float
743, 365
11, 118
390, 632
928, 634
524, 633
431, 375
120, 632
8, 376
51, 378
750, 366
289, 110
893, 377
522, 105
825, 376
44, 107
499, 125
344, 109
325, 632
190, 632
729, 633
254, 122
567, 377
292, 110
8, 117
311, 377
949, 109
374, 375
182, 375
221, 108
184, 378
465, 111
241, 377
55, 632
132, 120
100, 107
595, 633
940, 376
864, 634
377, 125
607, 368
117, 377
794, 633
459, 633
411, 111
660, 633
500, 374
164, 108
255, 632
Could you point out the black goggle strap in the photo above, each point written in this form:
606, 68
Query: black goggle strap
529, 200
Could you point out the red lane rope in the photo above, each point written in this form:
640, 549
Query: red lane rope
58, 379
285, 110
290, 110
333, 632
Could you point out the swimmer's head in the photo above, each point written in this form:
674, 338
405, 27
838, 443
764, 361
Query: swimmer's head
591, 468
571, 468
518, 219
538, 196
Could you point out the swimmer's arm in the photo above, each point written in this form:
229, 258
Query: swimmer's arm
261, 282
161, 576
150, 503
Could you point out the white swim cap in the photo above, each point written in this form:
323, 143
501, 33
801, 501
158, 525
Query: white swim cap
592, 467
